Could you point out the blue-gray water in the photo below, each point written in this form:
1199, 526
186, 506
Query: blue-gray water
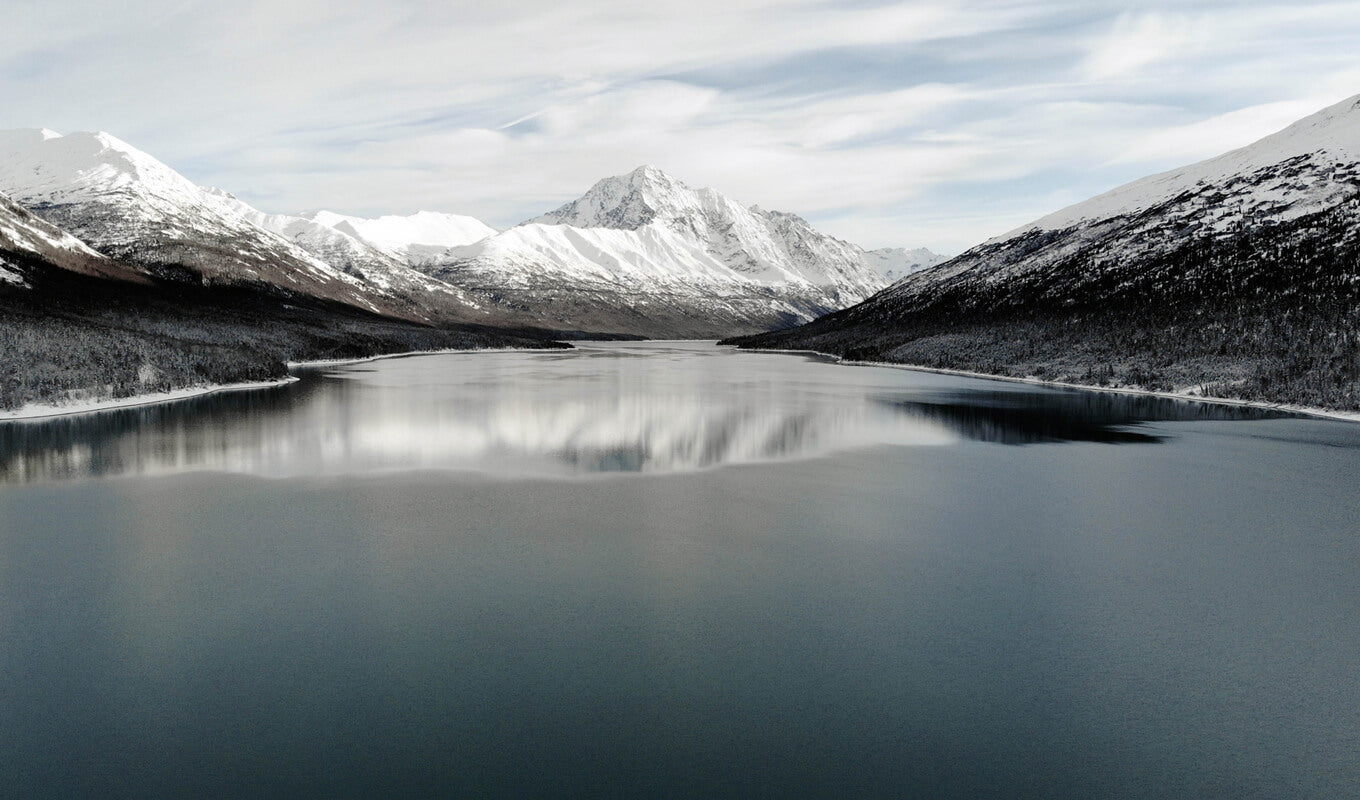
673, 570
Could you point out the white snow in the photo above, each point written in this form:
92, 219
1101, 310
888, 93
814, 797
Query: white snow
42, 166
20, 230
130, 201
413, 236
7, 275
45, 410
895, 263
1329, 139
767, 248
652, 236
340, 247
650, 254
640, 238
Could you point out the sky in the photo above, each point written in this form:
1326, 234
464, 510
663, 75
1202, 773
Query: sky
936, 124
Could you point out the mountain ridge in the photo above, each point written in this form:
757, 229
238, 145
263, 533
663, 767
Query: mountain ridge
131, 207
637, 254
645, 243
1238, 283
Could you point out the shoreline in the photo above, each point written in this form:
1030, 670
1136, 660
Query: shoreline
336, 362
44, 411
1310, 411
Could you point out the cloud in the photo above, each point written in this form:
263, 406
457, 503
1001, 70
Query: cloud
911, 123
1137, 40
1210, 137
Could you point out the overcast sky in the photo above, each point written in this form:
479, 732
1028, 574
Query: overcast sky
910, 123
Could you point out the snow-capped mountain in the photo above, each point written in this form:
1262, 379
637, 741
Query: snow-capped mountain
377, 267
768, 248
131, 207
1311, 166
28, 242
1241, 270
415, 238
644, 253
638, 254
896, 263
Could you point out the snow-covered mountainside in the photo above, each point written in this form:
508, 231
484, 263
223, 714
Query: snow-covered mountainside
1242, 271
638, 254
131, 207
644, 253
896, 263
1311, 166
766, 248
29, 243
415, 238
341, 247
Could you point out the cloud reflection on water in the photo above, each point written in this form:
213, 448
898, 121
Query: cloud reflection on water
647, 408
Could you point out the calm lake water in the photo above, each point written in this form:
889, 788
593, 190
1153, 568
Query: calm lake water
677, 570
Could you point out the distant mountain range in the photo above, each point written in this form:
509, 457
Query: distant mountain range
640, 254
896, 263
1238, 276
119, 276
645, 253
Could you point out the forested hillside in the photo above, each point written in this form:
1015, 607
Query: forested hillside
1265, 312
72, 338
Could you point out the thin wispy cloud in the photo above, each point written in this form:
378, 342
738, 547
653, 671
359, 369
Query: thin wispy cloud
911, 123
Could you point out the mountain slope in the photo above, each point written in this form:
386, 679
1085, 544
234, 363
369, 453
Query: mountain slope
415, 238
78, 327
1237, 276
768, 248
28, 243
896, 263
69, 338
131, 207
425, 298
643, 253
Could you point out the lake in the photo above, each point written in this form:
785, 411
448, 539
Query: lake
669, 569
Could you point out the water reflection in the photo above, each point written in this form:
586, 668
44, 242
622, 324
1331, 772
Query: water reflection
633, 407
1065, 416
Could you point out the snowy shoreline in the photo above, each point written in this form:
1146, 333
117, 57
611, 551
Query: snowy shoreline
1342, 416
49, 411
336, 362
42, 411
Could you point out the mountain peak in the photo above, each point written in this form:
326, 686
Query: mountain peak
399, 234
648, 174
40, 164
627, 202
656, 186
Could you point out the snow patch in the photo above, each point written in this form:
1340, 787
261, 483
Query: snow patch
35, 411
399, 234
1328, 140
895, 263
7, 275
